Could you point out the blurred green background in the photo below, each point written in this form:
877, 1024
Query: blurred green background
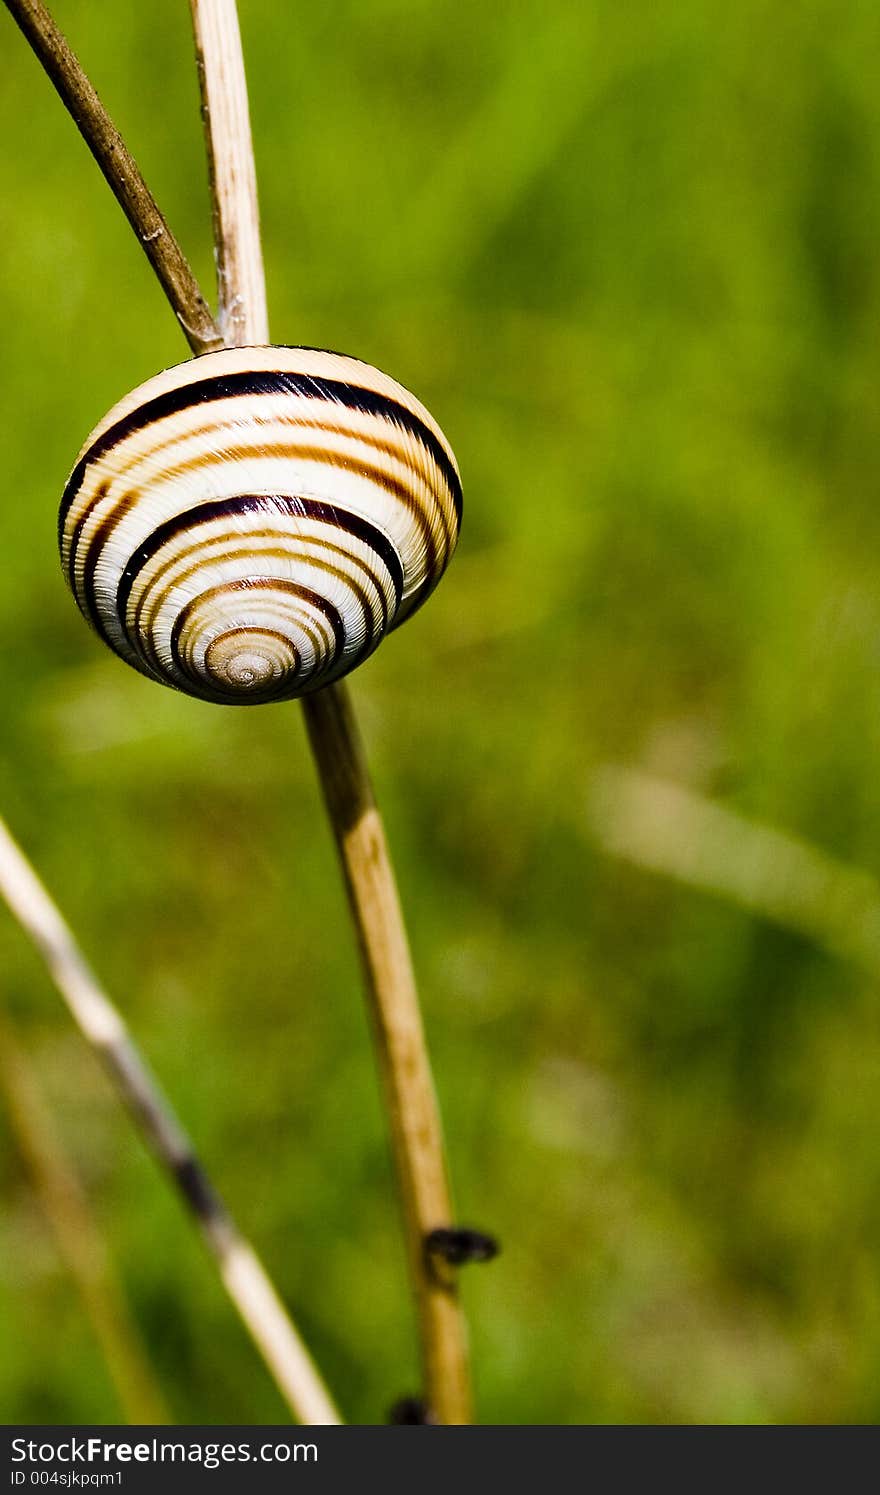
627, 254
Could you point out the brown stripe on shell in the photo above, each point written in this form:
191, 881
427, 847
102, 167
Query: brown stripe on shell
318, 631
96, 546
261, 583
358, 592
385, 480
399, 408
398, 453
139, 624
411, 503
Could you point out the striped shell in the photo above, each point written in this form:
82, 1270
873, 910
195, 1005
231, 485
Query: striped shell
247, 526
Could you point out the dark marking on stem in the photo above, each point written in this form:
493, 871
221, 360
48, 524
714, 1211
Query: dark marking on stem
198, 1191
458, 1245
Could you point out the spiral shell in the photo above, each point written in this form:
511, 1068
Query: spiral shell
248, 525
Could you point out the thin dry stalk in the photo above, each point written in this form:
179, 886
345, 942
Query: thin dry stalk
120, 171
241, 282
80, 1243
102, 1026
410, 1099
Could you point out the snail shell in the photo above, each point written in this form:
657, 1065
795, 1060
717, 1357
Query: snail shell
248, 526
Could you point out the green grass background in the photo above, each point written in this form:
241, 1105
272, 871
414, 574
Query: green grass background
628, 256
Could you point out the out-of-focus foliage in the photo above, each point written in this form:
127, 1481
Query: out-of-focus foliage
628, 255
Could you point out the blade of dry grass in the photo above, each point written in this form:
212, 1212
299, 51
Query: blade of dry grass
676, 832
102, 1025
80, 1242
120, 171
